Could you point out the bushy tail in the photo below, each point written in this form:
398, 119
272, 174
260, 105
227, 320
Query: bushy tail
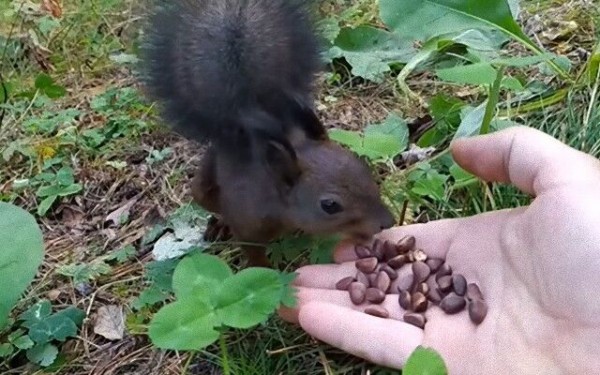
224, 69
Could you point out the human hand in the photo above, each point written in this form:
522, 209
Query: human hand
537, 266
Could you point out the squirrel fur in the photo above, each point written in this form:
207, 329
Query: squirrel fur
238, 76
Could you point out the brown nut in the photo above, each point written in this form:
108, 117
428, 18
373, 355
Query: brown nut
415, 319
377, 311
398, 261
371, 277
405, 282
366, 265
445, 283
344, 283
444, 270
418, 302
377, 249
421, 271
434, 296
383, 281
389, 250
477, 311
452, 303
357, 292
474, 293
459, 284
375, 295
404, 299
423, 288
405, 244
393, 275
362, 251
434, 264
419, 255
362, 278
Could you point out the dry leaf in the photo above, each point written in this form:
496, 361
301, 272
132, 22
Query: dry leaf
110, 322
53, 7
121, 212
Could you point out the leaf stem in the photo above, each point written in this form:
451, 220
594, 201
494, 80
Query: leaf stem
224, 355
492, 102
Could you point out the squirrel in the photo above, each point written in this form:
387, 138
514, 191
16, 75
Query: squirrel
237, 75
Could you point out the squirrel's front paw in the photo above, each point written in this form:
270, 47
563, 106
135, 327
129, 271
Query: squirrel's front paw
216, 230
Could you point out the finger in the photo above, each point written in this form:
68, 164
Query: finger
433, 237
383, 341
530, 159
339, 298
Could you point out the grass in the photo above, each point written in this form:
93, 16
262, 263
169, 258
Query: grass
119, 153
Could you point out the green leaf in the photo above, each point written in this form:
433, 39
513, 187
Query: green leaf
23, 342
6, 350
43, 355
370, 50
70, 190
45, 84
394, 126
84, 272
47, 191
424, 361
43, 81
20, 256
249, 297
471, 121
288, 295
160, 276
349, 138
472, 74
421, 20
44, 327
184, 325
200, 272
122, 255
36, 312
45, 204
593, 66
65, 177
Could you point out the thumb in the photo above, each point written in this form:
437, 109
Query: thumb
531, 160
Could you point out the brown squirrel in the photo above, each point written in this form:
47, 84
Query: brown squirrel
238, 75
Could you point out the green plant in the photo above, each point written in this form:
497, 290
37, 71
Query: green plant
210, 297
21, 255
44, 329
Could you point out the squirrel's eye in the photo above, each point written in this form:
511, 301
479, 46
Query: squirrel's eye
330, 206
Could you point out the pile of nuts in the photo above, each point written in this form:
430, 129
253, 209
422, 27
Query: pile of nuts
431, 282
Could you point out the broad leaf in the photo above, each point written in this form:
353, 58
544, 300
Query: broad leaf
424, 361
370, 50
184, 325
424, 19
471, 121
43, 355
20, 256
200, 272
249, 297
472, 74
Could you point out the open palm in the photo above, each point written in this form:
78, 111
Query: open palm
538, 268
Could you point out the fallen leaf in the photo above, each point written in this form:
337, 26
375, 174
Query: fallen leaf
53, 294
110, 322
53, 7
416, 154
173, 245
121, 213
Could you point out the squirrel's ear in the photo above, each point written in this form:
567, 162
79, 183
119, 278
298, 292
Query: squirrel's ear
283, 163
